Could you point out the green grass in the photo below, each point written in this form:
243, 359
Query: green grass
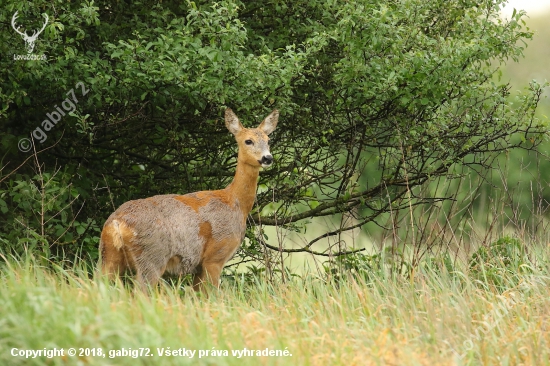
437, 318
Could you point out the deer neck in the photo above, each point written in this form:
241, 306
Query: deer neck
243, 187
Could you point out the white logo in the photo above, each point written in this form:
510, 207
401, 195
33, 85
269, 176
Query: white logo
29, 40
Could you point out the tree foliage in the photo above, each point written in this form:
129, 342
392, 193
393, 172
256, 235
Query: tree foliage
376, 98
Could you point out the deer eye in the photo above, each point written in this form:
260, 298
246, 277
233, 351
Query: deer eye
249, 142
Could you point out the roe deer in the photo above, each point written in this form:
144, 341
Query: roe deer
196, 233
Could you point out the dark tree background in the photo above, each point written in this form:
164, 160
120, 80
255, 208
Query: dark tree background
376, 98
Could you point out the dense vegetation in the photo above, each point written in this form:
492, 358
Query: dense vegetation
378, 100
442, 317
395, 122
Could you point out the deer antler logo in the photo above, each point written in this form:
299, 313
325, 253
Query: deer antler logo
29, 40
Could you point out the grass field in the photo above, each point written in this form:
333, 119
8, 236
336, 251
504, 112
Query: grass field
437, 318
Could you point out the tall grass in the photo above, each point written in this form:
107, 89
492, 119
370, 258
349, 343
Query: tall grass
439, 317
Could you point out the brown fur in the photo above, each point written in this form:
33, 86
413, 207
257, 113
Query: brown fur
196, 233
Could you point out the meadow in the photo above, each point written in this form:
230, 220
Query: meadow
491, 314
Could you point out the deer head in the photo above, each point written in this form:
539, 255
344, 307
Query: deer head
29, 40
253, 142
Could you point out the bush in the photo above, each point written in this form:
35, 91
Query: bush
501, 264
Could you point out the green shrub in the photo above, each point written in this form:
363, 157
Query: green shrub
501, 264
44, 218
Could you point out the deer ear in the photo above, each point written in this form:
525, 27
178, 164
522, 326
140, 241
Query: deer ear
270, 122
232, 122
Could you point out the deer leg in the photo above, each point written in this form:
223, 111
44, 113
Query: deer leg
113, 261
147, 277
208, 272
197, 278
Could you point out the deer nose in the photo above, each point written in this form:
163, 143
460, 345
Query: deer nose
267, 160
